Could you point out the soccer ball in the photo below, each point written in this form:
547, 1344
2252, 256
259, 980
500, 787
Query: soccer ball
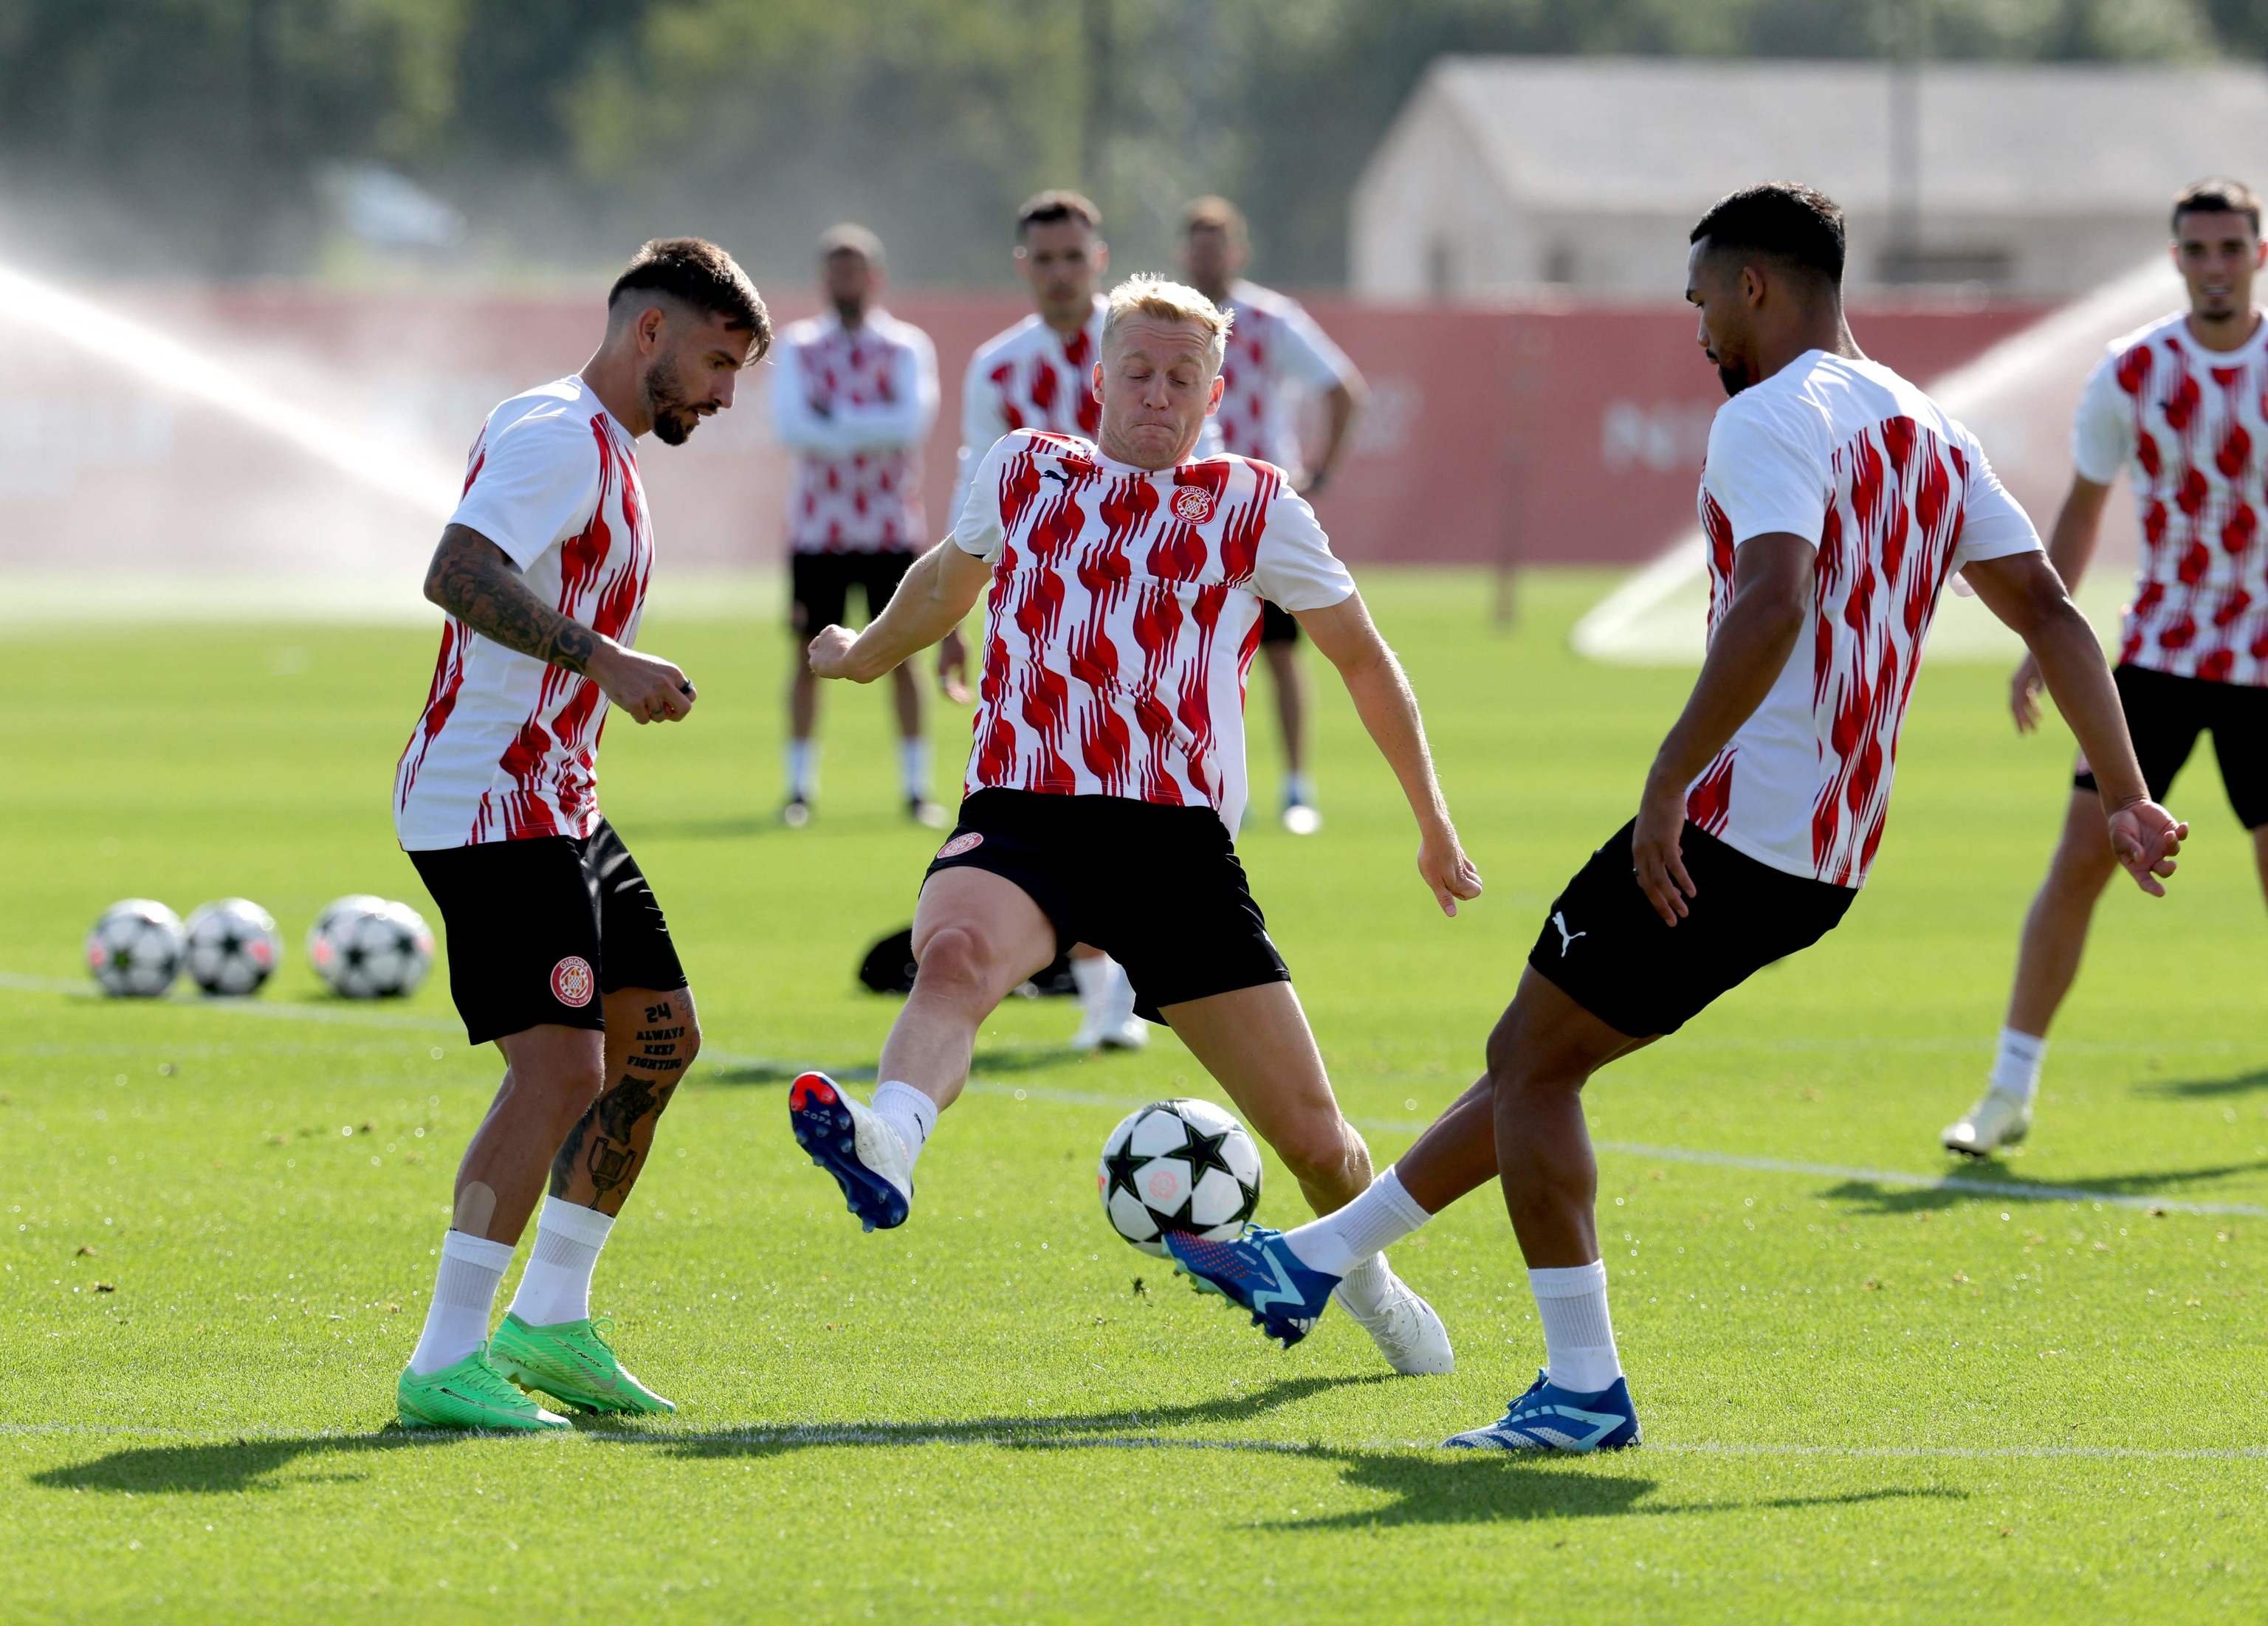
233, 947
1178, 1165
134, 950
367, 948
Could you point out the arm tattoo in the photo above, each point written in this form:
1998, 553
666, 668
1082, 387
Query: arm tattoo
474, 581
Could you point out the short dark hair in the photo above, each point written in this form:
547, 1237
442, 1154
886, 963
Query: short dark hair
1056, 203
696, 272
1787, 221
2214, 195
1214, 213
849, 237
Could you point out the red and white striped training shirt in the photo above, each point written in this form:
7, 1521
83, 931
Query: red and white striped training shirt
1027, 377
854, 405
1896, 496
1123, 616
2192, 426
507, 747
1276, 356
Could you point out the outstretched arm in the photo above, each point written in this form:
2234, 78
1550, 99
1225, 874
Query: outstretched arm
1771, 597
936, 593
2024, 591
473, 579
2071, 549
1374, 679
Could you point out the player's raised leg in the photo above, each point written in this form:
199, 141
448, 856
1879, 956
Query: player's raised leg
977, 935
2047, 963
548, 1340
1256, 1044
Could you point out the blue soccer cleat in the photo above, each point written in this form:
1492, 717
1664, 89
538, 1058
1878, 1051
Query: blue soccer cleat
1260, 1272
1550, 1418
850, 1142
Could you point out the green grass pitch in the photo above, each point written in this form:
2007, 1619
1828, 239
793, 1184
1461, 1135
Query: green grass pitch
1868, 1393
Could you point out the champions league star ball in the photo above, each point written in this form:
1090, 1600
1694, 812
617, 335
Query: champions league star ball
1179, 1166
367, 948
233, 947
134, 950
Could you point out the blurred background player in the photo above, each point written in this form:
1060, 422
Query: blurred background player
558, 952
2184, 405
1277, 360
1837, 499
1126, 579
854, 393
1039, 374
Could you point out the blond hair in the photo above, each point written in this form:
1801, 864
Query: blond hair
1145, 294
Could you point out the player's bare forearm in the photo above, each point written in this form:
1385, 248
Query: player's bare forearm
1771, 600
472, 579
1339, 408
2028, 595
935, 597
2077, 527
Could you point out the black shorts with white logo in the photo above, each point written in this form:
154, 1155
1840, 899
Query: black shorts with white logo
819, 584
2166, 714
1157, 888
540, 929
1606, 949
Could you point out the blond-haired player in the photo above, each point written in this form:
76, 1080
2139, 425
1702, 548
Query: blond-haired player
1125, 579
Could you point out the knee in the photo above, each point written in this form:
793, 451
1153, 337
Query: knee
566, 1084
1318, 1149
955, 964
1512, 1066
2082, 868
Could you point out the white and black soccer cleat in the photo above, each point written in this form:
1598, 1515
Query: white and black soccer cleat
1998, 1122
850, 1142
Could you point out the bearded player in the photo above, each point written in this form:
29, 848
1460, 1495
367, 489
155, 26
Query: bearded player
1279, 358
558, 952
1125, 583
1836, 500
2179, 404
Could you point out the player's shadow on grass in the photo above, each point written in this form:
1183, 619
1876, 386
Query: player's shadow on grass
2004, 1185
986, 1064
2236, 1083
228, 1465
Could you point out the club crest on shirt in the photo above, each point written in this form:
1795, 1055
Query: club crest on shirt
1193, 504
968, 841
571, 980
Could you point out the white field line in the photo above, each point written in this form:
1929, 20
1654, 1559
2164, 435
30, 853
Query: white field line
1054, 1437
2013, 1190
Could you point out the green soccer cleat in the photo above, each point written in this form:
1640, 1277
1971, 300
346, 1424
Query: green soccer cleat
573, 1362
471, 1394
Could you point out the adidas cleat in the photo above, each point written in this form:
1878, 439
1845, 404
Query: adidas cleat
573, 1362
1407, 1330
1550, 1418
1998, 1120
1259, 1272
471, 1394
864, 1154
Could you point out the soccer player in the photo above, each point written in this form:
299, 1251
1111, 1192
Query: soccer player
559, 954
1277, 357
1035, 375
1836, 500
854, 393
1125, 583
2181, 403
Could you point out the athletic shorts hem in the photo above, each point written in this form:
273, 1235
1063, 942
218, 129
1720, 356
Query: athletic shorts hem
2166, 713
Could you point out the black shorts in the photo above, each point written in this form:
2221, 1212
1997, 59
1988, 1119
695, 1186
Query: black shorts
1606, 949
1159, 889
2166, 714
819, 584
1278, 625
540, 929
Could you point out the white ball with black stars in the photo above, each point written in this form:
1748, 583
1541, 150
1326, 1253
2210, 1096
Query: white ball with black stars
1179, 1166
368, 948
134, 950
233, 946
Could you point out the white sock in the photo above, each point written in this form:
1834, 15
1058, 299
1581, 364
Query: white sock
911, 1113
1579, 1340
1092, 977
913, 766
464, 1292
2017, 1068
1118, 1003
555, 1287
802, 769
1373, 1222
